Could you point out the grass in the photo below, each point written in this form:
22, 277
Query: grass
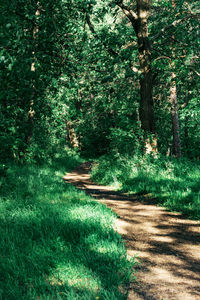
57, 242
174, 183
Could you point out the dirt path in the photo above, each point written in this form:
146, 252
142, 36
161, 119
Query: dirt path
167, 243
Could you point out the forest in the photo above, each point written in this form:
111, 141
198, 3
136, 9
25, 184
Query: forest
114, 83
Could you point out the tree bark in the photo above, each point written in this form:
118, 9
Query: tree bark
72, 135
139, 21
174, 102
146, 81
174, 115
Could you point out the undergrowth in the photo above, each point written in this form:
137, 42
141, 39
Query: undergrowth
174, 182
56, 242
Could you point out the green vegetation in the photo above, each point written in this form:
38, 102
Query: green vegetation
56, 242
89, 74
111, 78
175, 184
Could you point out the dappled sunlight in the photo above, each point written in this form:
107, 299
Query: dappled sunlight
76, 276
165, 239
122, 226
165, 243
57, 242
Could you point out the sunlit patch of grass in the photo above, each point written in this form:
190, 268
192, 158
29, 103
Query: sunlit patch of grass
57, 242
175, 183
76, 276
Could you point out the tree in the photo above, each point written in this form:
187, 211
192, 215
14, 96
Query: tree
173, 100
139, 21
105, 68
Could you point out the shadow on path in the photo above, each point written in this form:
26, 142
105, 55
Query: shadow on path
167, 244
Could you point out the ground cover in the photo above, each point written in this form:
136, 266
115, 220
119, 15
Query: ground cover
174, 183
57, 242
166, 243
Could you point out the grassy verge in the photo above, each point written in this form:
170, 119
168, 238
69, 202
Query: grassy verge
175, 183
56, 242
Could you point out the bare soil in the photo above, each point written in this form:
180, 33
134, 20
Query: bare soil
166, 244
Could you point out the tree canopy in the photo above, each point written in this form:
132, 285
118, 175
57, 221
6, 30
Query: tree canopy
105, 76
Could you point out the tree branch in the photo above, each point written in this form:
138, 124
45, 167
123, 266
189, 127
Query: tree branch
193, 69
162, 57
176, 22
110, 50
130, 44
129, 13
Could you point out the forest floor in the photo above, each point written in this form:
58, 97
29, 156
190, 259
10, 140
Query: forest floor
167, 244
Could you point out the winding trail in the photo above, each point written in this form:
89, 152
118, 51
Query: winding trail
167, 244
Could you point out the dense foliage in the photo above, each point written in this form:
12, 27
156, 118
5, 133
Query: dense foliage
76, 62
171, 183
117, 78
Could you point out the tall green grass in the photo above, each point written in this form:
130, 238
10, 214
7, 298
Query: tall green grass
174, 182
56, 242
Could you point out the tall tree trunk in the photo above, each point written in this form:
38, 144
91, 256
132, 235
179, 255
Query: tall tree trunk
174, 102
139, 21
72, 135
146, 81
174, 114
186, 136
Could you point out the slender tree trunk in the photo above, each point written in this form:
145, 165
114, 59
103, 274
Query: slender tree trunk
72, 135
186, 136
174, 115
174, 102
146, 81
